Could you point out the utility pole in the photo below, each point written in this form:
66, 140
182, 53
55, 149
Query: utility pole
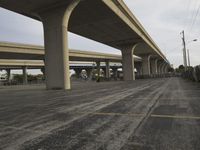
184, 50
188, 57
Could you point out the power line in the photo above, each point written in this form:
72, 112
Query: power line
194, 18
188, 13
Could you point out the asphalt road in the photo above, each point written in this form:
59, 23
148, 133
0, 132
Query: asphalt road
154, 114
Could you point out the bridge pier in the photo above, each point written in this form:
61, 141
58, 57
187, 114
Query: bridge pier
166, 68
154, 66
138, 67
159, 67
98, 63
128, 62
43, 71
107, 69
24, 70
55, 22
8, 71
89, 72
163, 68
146, 70
115, 73
78, 72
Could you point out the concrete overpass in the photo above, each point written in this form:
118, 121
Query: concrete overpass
13, 54
19, 51
107, 21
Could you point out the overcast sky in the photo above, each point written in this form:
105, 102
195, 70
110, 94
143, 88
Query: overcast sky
163, 20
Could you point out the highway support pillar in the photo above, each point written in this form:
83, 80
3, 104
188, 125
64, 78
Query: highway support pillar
166, 68
8, 71
115, 73
159, 67
89, 72
138, 67
107, 70
98, 63
128, 63
43, 71
78, 72
55, 22
146, 69
163, 68
24, 70
154, 66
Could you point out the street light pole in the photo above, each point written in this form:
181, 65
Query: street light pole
184, 50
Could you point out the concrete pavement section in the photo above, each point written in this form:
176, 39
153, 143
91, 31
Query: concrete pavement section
162, 114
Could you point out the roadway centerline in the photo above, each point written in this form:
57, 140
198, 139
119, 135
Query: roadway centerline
142, 115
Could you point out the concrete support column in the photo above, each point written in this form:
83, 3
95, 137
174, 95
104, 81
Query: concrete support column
107, 70
128, 63
160, 67
8, 71
154, 66
115, 73
89, 72
78, 72
43, 71
25, 79
55, 23
138, 67
98, 63
163, 68
146, 65
166, 68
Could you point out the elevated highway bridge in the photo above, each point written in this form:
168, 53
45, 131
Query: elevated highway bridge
107, 21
